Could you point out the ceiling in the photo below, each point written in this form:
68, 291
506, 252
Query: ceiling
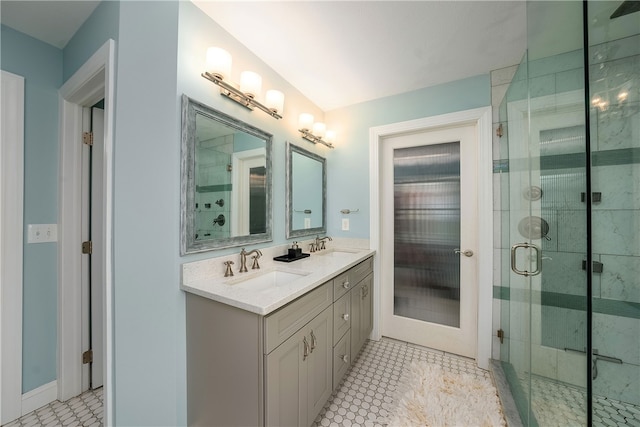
338, 53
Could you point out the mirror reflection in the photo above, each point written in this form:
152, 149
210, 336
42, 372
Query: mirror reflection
227, 180
306, 192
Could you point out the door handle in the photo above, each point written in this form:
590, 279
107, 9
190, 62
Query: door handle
526, 273
467, 253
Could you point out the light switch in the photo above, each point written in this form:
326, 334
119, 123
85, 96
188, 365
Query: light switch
42, 233
345, 224
307, 223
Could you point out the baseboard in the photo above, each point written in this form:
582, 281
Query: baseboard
39, 397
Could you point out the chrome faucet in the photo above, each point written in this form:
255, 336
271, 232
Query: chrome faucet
320, 242
243, 259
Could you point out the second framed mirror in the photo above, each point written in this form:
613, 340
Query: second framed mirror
306, 192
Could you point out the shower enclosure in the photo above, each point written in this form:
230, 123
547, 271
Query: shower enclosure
570, 217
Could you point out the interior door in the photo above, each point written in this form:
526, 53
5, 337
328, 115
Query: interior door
429, 233
93, 264
98, 255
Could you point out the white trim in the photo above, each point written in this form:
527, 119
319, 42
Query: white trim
11, 244
39, 397
481, 117
92, 82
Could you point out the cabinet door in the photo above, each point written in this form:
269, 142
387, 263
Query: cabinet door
286, 382
319, 363
361, 314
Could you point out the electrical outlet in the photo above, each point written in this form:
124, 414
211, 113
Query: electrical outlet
42, 233
345, 224
307, 223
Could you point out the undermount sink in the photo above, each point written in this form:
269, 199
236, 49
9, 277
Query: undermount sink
267, 281
338, 253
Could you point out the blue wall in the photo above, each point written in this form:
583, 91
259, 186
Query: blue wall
348, 164
148, 304
41, 66
101, 26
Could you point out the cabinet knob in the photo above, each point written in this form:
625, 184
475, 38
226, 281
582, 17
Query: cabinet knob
345, 358
346, 284
345, 316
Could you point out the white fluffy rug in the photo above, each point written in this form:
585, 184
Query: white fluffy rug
430, 396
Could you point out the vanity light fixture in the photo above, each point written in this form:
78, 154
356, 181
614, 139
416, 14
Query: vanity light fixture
315, 132
218, 71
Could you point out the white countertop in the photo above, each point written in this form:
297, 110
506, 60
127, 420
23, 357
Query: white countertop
202, 279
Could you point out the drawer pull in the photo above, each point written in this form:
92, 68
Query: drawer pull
345, 316
346, 284
314, 342
345, 358
305, 354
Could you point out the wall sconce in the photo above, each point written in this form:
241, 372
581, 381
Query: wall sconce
219, 69
315, 132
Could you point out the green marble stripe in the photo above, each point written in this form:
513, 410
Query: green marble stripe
623, 156
573, 302
213, 188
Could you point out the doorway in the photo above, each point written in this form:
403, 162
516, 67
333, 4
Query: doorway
93, 253
91, 83
429, 295
477, 123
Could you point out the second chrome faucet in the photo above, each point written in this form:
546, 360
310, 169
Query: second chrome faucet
243, 259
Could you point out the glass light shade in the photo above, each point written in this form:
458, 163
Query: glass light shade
319, 129
330, 136
274, 100
305, 121
218, 62
250, 83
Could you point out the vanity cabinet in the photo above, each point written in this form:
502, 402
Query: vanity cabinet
246, 369
299, 374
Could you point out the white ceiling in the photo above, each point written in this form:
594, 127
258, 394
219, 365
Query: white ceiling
52, 21
338, 53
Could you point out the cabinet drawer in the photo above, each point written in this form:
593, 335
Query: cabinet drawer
341, 359
283, 323
351, 277
341, 317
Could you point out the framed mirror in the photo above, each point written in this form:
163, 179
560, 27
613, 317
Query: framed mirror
225, 183
306, 188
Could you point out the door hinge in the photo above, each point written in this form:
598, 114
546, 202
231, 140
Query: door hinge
87, 247
87, 357
501, 335
598, 267
87, 138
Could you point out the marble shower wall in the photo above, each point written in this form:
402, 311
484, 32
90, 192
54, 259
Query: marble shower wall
615, 133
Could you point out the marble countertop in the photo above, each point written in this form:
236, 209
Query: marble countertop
202, 278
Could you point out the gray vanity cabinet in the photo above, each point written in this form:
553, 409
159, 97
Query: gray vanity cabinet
246, 369
299, 374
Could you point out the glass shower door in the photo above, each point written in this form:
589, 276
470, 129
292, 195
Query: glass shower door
547, 315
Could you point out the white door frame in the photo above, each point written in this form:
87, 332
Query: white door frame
481, 118
91, 83
11, 245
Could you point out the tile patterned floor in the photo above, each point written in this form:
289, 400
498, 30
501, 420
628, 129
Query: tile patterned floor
366, 394
561, 405
84, 410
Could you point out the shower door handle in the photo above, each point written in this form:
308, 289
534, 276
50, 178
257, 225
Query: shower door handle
526, 273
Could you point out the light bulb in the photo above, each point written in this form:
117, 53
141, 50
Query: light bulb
250, 83
305, 121
218, 62
274, 100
